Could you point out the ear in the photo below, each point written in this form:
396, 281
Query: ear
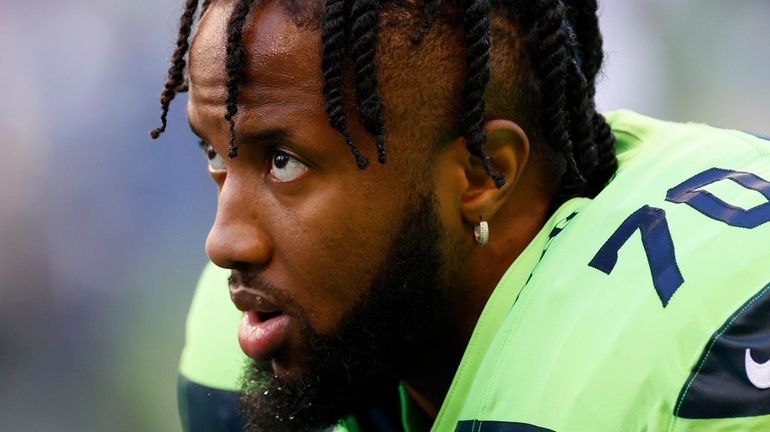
508, 149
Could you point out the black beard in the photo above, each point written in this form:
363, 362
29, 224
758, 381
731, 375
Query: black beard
365, 358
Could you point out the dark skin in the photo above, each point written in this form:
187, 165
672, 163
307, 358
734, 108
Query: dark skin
294, 207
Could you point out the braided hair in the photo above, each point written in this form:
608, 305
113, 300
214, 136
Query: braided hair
563, 48
234, 60
176, 76
335, 40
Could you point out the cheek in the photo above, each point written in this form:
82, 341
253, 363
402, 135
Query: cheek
331, 248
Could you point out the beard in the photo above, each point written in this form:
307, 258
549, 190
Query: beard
363, 361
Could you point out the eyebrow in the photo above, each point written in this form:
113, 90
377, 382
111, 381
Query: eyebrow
274, 134
268, 135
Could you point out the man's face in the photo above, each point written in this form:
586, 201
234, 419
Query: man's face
361, 361
306, 232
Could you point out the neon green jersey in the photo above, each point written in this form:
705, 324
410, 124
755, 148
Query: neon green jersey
645, 309
634, 311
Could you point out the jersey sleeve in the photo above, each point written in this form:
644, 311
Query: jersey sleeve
212, 361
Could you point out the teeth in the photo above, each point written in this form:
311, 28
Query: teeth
247, 299
235, 290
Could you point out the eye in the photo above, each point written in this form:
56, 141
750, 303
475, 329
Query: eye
216, 163
285, 168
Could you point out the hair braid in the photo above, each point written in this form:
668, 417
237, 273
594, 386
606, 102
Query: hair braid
607, 162
334, 37
429, 8
586, 22
581, 109
547, 39
363, 34
175, 77
234, 60
476, 24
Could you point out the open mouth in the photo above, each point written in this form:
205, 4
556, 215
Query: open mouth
264, 316
262, 334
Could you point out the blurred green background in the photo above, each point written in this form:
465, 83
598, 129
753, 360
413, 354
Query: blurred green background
102, 230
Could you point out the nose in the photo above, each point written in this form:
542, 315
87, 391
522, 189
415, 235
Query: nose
238, 237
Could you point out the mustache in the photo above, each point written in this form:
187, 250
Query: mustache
247, 279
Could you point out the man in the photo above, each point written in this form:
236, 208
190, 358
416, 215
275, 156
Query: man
418, 199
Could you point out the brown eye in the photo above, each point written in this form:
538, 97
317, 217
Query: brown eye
286, 168
216, 162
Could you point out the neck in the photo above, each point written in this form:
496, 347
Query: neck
512, 229
431, 375
429, 379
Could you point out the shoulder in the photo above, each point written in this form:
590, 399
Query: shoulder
632, 129
651, 307
671, 266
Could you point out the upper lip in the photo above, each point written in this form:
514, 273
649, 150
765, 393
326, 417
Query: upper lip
252, 299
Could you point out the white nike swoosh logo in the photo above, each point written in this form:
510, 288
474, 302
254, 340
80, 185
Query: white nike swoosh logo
758, 373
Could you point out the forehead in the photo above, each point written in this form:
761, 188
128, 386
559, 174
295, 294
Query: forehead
278, 52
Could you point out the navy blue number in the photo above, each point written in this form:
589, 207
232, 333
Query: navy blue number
658, 246
656, 237
688, 193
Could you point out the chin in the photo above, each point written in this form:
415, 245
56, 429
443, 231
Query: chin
288, 367
297, 400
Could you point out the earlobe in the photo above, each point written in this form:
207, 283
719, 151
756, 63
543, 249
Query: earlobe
508, 149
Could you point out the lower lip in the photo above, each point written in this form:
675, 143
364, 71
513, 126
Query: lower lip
259, 339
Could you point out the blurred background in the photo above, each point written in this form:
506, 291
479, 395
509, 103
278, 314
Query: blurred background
102, 230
